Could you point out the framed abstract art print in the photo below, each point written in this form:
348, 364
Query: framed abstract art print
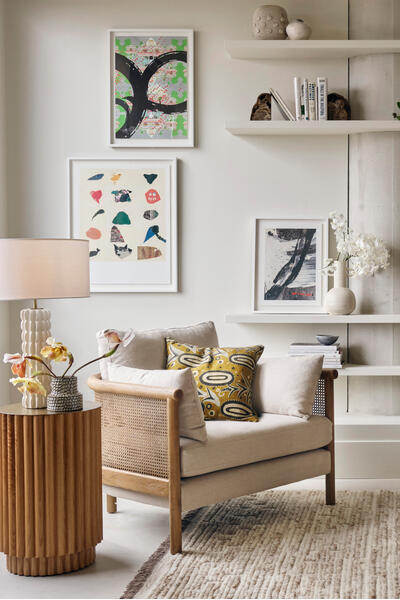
127, 209
289, 256
151, 87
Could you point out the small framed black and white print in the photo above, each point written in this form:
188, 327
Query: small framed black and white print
289, 256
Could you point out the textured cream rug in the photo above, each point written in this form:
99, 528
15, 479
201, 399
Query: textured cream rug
282, 544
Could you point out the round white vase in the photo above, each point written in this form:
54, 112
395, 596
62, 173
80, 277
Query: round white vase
340, 300
270, 22
298, 30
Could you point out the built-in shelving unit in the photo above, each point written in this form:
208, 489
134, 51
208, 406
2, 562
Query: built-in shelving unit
271, 318
308, 49
246, 127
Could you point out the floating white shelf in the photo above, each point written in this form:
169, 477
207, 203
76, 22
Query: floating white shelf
246, 127
258, 317
350, 370
308, 49
374, 420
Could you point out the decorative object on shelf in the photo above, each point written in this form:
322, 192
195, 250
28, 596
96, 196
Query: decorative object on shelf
298, 30
340, 300
288, 261
151, 87
338, 107
261, 110
395, 115
358, 256
52, 268
327, 340
270, 22
118, 262
64, 395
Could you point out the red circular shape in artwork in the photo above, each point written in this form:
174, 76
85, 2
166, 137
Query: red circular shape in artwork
152, 196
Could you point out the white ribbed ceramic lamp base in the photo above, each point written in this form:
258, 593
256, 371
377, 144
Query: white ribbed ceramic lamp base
35, 329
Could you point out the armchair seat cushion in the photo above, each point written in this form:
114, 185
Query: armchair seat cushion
232, 444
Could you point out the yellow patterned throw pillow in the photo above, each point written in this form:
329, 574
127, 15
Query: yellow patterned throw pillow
224, 378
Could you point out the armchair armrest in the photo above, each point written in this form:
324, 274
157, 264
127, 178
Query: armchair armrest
140, 431
140, 428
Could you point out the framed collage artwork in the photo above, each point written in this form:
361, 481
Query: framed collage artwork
151, 87
127, 209
289, 256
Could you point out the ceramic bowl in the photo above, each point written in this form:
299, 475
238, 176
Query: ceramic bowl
327, 340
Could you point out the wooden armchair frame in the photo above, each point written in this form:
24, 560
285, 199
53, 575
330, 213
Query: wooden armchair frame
147, 443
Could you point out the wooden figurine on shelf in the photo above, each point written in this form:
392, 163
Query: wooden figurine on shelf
338, 108
261, 110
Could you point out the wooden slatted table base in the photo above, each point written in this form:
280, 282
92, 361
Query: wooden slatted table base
52, 565
50, 489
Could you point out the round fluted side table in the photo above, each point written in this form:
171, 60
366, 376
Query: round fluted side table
50, 489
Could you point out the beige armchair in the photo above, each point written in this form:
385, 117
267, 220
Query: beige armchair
145, 460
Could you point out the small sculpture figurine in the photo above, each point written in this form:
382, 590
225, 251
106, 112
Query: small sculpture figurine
261, 110
395, 115
338, 108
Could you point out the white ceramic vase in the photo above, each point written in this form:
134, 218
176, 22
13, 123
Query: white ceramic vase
270, 22
340, 300
298, 30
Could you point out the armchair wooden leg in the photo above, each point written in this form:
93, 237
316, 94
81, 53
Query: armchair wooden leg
330, 498
111, 504
175, 528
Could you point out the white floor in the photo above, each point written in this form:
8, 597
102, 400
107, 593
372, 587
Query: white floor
130, 536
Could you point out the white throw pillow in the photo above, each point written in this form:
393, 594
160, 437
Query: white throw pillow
287, 386
147, 350
191, 419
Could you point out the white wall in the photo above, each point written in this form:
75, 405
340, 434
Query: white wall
57, 106
4, 309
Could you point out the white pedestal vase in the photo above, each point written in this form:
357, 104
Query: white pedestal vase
35, 329
340, 300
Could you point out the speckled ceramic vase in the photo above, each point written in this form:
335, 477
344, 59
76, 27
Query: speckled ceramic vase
64, 395
270, 22
340, 300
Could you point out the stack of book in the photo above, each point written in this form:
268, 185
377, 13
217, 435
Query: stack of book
333, 355
310, 98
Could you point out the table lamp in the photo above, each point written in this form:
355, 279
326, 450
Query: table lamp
41, 268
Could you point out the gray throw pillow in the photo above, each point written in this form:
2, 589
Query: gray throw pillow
147, 350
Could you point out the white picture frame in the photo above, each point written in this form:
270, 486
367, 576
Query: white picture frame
268, 260
152, 142
159, 274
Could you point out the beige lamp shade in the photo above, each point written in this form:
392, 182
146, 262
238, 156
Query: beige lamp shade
43, 268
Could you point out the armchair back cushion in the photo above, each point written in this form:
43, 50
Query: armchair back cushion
287, 385
191, 420
147, 350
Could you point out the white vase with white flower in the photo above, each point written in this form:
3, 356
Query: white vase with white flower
361, 255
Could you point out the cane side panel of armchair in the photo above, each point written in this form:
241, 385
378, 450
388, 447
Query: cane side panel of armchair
140, 440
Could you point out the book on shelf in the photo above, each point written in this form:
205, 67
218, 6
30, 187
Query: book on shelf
314, 347
311, 101
322, 94
297, 97
304, 100
283, 107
